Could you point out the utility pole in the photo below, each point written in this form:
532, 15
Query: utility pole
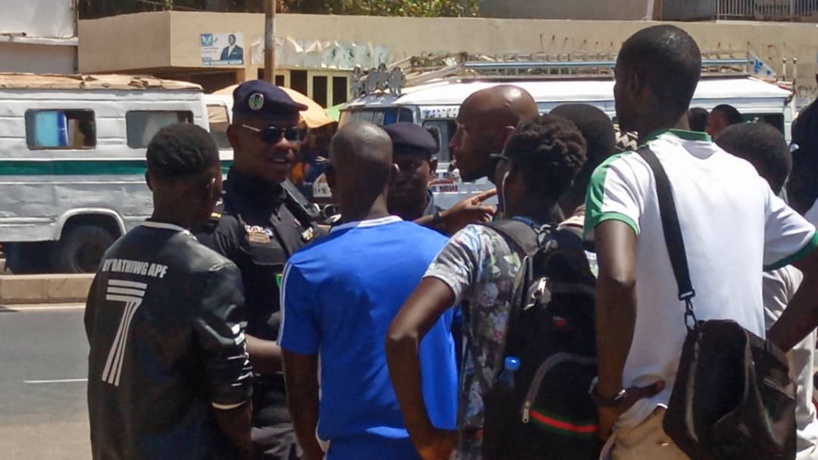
657, 10
269, 40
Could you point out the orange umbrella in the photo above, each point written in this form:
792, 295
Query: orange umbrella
314, 117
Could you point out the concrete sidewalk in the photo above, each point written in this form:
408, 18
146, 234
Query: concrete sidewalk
44, 289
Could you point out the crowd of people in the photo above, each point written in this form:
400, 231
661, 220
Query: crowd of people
230, 325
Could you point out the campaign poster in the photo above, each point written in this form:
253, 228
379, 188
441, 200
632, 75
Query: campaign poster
219, 49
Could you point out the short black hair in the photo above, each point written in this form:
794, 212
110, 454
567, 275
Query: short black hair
180, 152
697, 118
600, 139
668, 61
804, 180
548, 151
805, 128
762, 145
731, 113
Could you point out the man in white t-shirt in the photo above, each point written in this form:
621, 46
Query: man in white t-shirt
732, 223
766, 149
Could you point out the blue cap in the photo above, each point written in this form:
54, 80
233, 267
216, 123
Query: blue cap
258, 98
511, 363
411, 138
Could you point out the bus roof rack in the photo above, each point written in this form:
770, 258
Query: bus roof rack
417, 70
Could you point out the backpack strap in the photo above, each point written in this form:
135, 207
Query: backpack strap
521, 234
527, 241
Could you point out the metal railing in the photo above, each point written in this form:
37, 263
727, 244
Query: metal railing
417, 70
768, 10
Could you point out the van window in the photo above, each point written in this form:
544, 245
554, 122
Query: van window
774, 119
380, 117
219, 120
446, 128
61, 129
142, 125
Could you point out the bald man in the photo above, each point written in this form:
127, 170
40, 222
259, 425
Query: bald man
486, 119
339, 296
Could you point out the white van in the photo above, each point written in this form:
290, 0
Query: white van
72, 162
435, 105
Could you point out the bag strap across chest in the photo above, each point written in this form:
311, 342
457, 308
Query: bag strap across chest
673, 233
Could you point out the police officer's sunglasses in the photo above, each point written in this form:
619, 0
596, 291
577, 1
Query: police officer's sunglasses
272, 134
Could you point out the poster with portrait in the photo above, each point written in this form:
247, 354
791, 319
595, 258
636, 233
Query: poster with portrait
219, 49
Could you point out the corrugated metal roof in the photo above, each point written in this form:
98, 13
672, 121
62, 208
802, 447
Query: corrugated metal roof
91, 82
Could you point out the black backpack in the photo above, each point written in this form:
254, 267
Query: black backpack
549, 414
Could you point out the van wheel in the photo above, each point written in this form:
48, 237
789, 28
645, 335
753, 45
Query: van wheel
81, 249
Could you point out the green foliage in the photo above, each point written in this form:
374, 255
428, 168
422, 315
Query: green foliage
415, 8
89, 9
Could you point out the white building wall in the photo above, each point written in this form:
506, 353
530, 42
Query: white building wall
38, 36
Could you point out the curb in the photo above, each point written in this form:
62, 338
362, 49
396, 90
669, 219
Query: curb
44, 289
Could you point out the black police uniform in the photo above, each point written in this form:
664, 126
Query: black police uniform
164, 322
259, 225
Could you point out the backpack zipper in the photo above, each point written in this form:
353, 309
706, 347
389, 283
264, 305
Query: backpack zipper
544, 368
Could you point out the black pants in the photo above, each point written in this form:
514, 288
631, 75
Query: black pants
276, 443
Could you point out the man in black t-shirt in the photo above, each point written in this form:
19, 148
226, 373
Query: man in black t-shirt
169, 376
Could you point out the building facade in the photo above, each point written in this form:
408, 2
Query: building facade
316, 54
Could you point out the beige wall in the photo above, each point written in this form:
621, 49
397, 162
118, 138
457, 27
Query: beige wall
576, 9
142, 41
125, 43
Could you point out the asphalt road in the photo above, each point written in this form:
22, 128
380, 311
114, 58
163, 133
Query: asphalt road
43, 355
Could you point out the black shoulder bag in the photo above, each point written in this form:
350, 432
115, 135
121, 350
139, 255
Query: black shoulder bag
732, 398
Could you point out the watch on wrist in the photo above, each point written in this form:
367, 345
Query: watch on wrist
437, 221
601, 401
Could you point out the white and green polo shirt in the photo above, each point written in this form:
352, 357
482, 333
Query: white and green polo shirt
733, 227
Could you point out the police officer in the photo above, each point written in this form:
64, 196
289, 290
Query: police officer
409, 195
258, 226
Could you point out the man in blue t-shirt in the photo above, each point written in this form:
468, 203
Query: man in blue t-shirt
339, 296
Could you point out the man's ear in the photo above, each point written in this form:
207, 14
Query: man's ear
636, 84
212, 190
394, 171
432, 169
507, 132
331, 178
233, 136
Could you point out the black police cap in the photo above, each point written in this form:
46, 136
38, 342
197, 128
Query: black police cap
409, 137
258, 98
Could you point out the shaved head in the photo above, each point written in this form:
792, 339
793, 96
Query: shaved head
486, 119
505, 105
361, 160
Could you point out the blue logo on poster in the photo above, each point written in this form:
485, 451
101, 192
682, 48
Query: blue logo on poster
207, 39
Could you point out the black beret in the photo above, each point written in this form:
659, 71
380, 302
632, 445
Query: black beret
261, 99
409, 137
